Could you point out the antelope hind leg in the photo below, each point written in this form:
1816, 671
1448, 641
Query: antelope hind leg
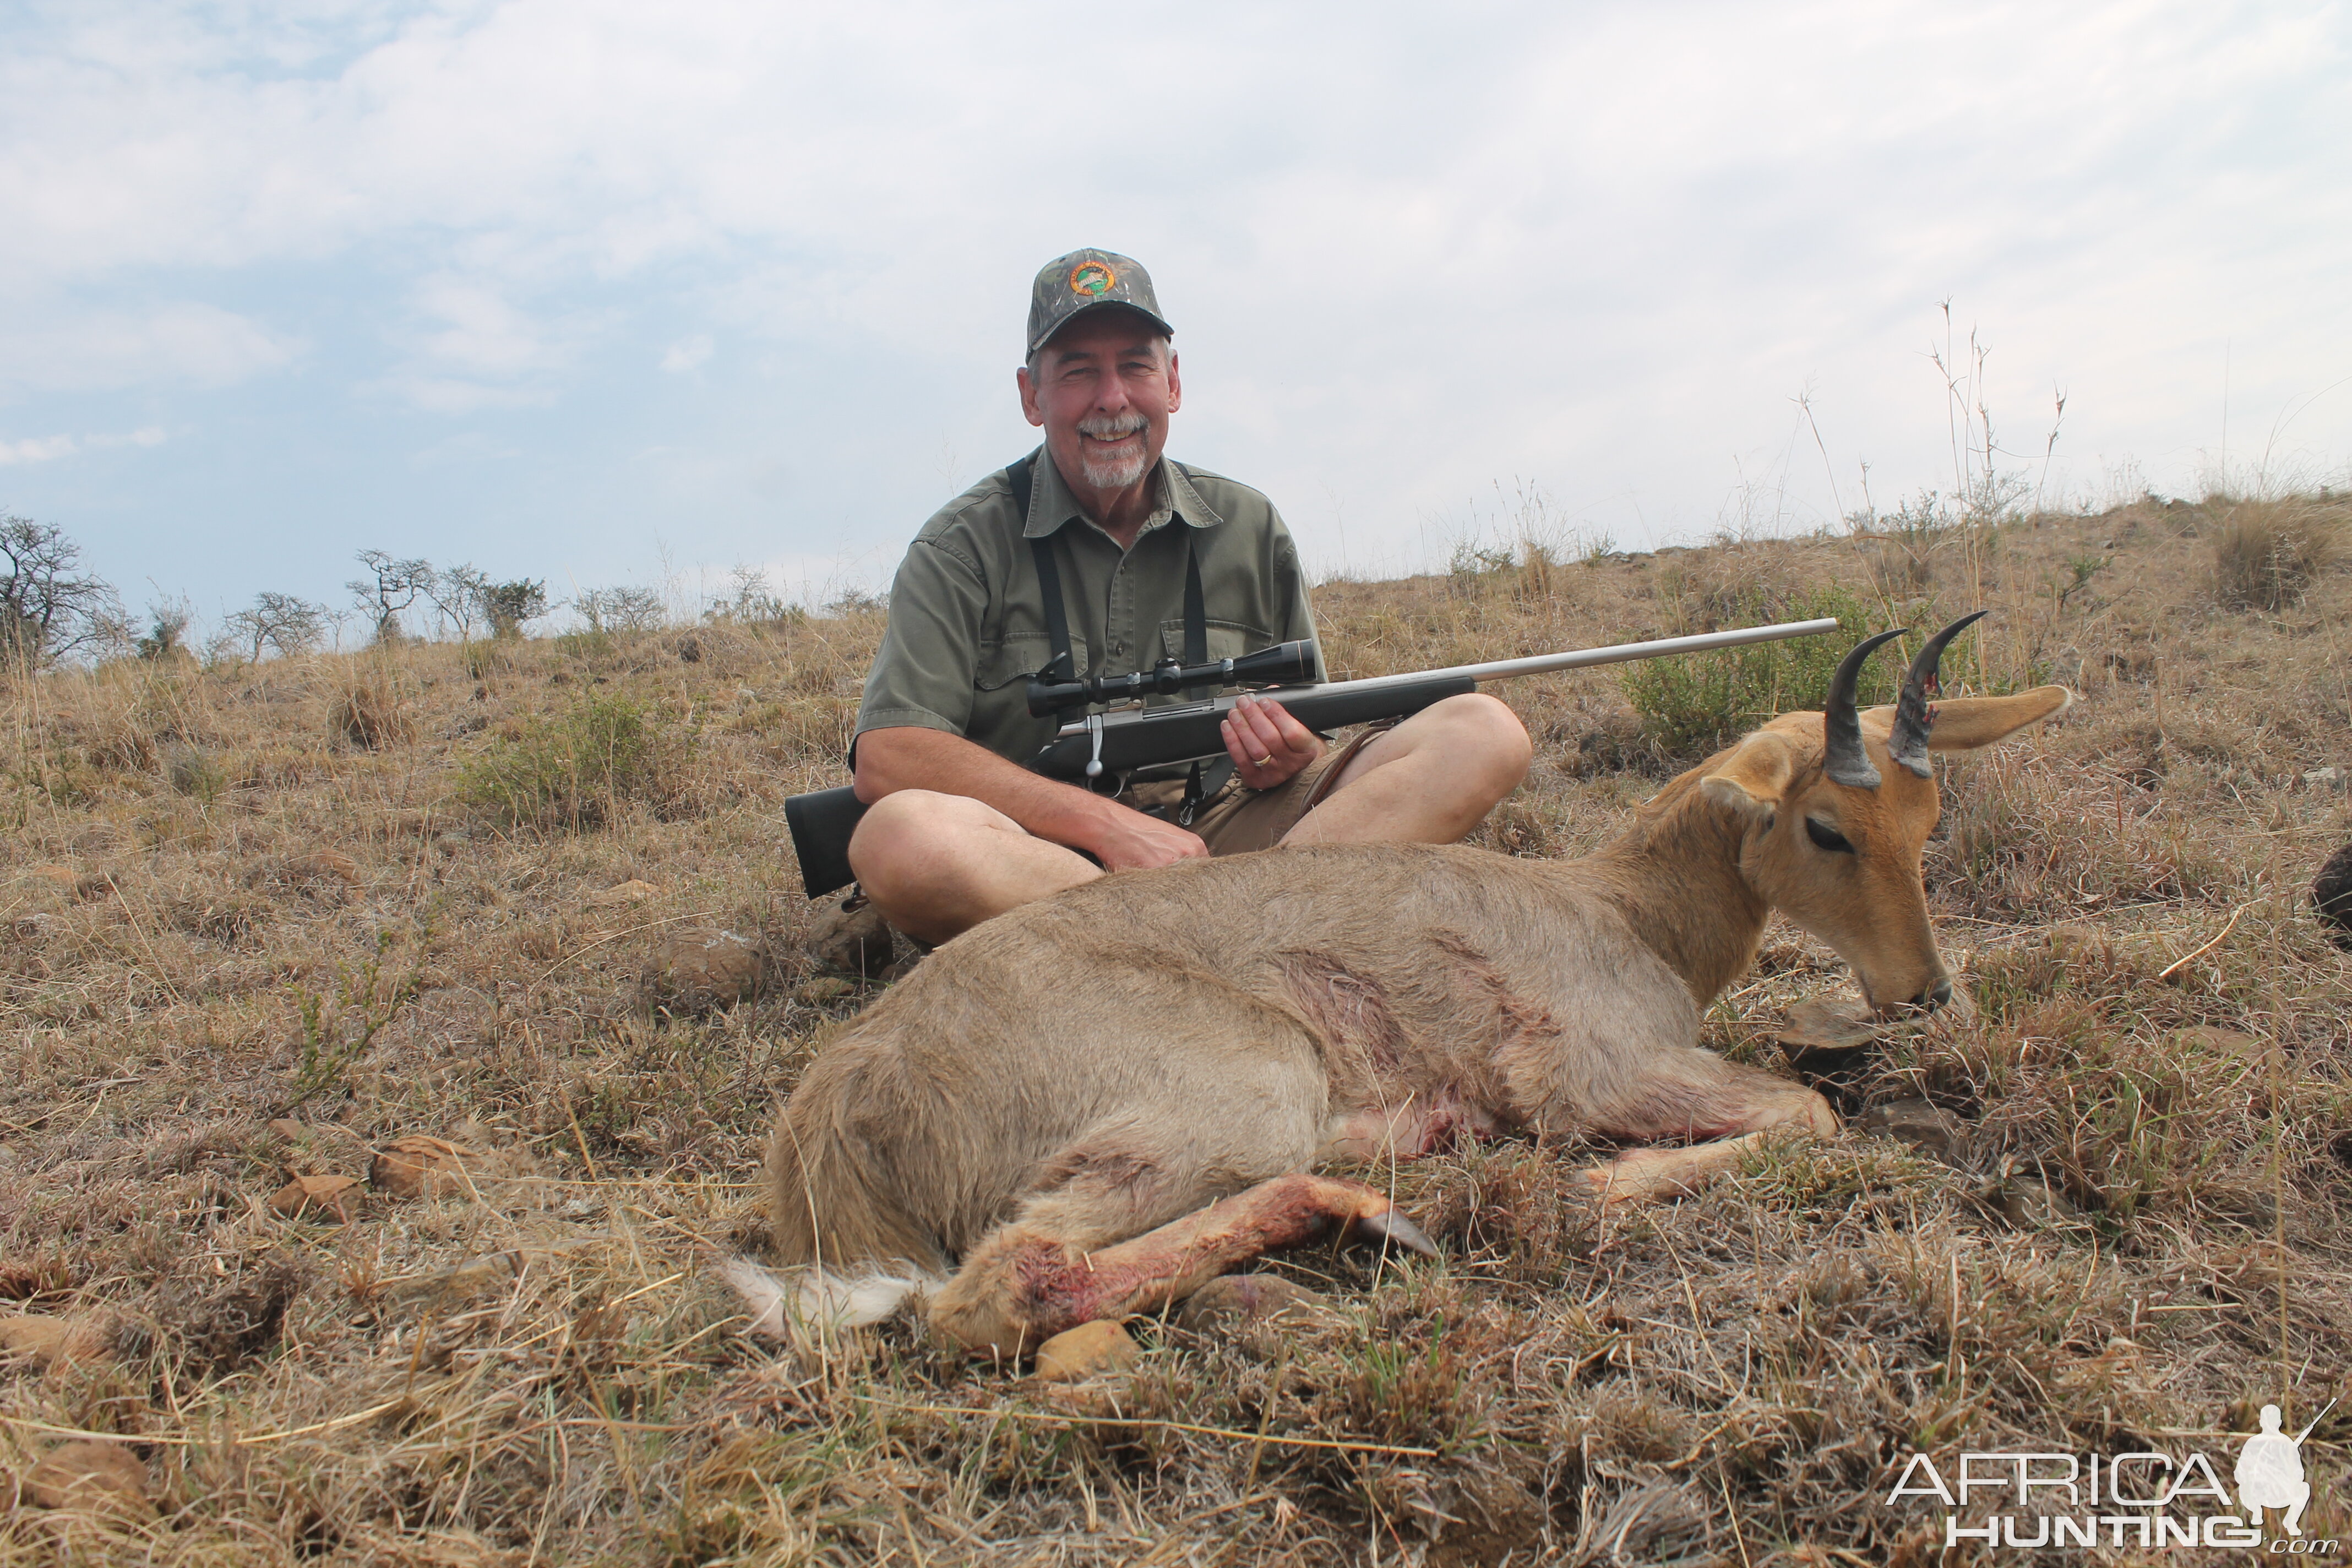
1022, 1284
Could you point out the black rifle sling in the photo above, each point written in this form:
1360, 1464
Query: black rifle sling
1196, 651
1049, 574
1196, 614
1057, 618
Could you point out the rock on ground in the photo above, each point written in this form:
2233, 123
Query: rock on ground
701, 970
2332, 891
1087, 1351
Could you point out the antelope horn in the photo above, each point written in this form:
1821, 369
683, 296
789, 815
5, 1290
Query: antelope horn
1913, 717
1844, 760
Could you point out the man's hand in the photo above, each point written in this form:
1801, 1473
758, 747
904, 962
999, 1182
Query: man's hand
1267, 745
1130, 841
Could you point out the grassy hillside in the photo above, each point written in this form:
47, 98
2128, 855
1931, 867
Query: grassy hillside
262, 921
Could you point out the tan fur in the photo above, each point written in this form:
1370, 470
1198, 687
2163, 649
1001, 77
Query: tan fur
1100, 1065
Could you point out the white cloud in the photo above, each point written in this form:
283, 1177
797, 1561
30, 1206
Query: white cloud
37, 449
49, 449
687, 353
470, 347
1408, 253
454, 395
55, 343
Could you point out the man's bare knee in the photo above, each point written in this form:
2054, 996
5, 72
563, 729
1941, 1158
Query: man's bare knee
1485, 749
1483, 732
937, 864
909, 840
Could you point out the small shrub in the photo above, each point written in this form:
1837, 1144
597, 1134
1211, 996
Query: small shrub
1909, 540
368, 713
1696, 702
390, 587
124, 742
1473, 560
575, 770
754, 603
626, 611
2268, 552
50, 607
857, 602
287, 622
167, 635
508, 605
192, 771
591, 647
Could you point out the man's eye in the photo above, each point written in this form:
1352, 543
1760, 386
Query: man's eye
1824, 836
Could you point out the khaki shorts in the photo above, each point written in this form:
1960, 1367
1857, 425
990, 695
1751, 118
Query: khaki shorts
1238, 819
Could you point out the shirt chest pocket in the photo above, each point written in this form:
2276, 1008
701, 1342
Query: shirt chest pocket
1016, 656
1227, 639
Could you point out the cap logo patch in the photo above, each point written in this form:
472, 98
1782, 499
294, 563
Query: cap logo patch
1092, 278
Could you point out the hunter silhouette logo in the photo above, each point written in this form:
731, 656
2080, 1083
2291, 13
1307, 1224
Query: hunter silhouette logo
2270, 1471
2147, 1498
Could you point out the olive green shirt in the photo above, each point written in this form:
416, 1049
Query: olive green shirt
967, 624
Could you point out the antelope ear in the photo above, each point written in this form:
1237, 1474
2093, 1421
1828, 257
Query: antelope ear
1754, 777
1965, 724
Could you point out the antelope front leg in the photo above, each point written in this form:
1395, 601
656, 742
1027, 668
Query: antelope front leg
1022, 1285
1643, 1175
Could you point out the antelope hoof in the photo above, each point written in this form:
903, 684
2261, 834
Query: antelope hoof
1603, 1182
1390, 1227
1637, 1176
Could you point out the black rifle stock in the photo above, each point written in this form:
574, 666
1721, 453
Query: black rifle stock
1180, 732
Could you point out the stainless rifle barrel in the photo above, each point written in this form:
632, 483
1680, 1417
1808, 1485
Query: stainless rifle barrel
1496, 670
1501, 669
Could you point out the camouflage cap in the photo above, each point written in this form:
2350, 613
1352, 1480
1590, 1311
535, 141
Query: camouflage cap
1087, 281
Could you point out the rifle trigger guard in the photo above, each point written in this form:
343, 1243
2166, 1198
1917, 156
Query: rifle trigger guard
1094, 736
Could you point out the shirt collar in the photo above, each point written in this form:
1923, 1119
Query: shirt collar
1051, 504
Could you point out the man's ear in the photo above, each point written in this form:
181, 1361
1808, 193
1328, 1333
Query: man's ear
1965, 724
1753, 778
1029, 409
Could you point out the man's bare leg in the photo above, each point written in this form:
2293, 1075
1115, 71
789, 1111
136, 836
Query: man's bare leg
937, 865
1429, 781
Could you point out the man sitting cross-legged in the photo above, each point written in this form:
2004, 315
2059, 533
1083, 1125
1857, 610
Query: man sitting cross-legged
958, 831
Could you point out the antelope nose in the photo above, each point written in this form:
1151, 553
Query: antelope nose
1936, 995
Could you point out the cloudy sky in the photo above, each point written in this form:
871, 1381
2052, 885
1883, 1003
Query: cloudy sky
601, 293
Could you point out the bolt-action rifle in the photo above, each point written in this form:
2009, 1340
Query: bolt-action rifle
1100, 748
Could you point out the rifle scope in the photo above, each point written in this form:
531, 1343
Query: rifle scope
1283, 662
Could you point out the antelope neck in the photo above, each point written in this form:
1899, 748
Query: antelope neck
1674, 875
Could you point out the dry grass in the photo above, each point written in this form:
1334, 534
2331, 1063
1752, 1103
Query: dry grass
231, 891
2269, 553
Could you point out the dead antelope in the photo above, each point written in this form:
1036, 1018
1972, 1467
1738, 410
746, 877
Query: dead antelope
1091, 1106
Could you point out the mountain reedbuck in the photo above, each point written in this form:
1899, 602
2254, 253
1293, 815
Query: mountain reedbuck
1093, 1105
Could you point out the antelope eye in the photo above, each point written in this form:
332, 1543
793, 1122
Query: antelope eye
1827, 837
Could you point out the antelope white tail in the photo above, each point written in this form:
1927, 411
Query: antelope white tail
800, 1303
